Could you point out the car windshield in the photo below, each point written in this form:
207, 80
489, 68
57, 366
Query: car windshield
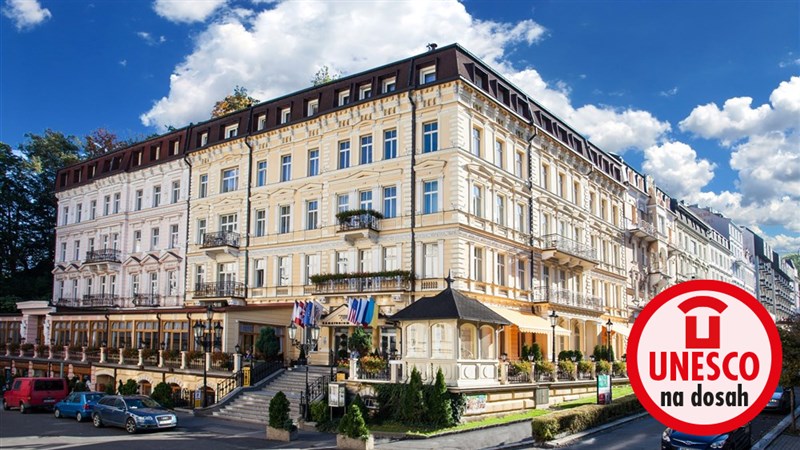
93, 397
143, 402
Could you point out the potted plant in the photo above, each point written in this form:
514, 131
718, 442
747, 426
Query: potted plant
584, 367
567, 367
353, 432
620, 369
280, 426
25, 348
543, 367
603, 367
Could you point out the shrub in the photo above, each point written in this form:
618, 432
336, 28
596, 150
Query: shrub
412, 404
458, 404
567, 366
42, 349
319, 411
603, 367
110, 389
584, 366
352, 424
26, 347
148, 353
536, 352
129, 388
13, 347
517, 367
279, 412
223, 359
545, 367
130, 353
359, 402
162, 393
577, 419
195, 354
360, 341
440, 411
620, 368
268, 344
567, 355
373, 364
172, 354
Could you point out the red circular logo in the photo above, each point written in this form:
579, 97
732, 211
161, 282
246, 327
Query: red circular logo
704, 357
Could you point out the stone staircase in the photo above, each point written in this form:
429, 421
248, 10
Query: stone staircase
254, 406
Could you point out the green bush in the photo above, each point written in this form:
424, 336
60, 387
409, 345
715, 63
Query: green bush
620, 368
412, 403
517, 367
577, 419
545, 367
268, 344
567, 366
536, 351
440, 411
359, 402
110, 389
603, 367
162, 393
584, 367
352, 424
279, 412
320, 412
360, 341
458, 404
129, 388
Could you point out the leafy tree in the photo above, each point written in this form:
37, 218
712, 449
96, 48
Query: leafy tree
101, 141
129, 388
795, 258
267, 343
324, 75
360, 341
110, 388
162, 393
279, 412
239, 100
790, 341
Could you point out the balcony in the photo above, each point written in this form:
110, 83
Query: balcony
90, 301
641, 229
221, 290
359, 224
101, 260
221, 242
568, 252
141, 300
361, 283
568, 298
658, 275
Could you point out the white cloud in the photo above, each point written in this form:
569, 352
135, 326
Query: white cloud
677, 170
784, 244
670, 92
149, 39
26, 13
123, 63
186, 11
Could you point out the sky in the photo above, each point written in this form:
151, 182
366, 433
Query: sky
703, 95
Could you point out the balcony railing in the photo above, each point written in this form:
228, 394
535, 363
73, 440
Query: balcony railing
363, 284
567, 245
90, 301
566, 297
641, 225
360, 222
142, 299
220, 289
221, 239
104, 255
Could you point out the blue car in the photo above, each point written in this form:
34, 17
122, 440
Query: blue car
78, 405
132, 412
779, 401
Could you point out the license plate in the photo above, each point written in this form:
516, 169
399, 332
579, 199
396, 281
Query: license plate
49, 400
164, 419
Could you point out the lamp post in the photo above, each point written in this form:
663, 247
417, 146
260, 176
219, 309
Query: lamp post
304, 345
553, 318
609, 324
202, 337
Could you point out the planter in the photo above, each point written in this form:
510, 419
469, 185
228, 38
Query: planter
340, 376
345, 442
279, 434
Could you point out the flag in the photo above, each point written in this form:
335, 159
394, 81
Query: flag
317, 312
296, 313
301, 313
362, 311
352, 317
309, 314
370, 311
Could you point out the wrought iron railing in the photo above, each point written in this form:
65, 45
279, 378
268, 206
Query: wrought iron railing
144, 299
519, 377
222, 364
196, 363
316, 389
183, 398
227, 385
259, 371
566, 297
365, 284
93, 355
567, 245
383, 374
220, 239
360, 222
642, 225
220, 289
103, 255
99, 301
564, 376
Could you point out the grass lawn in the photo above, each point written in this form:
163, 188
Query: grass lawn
616, 392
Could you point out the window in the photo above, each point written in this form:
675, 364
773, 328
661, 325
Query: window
365, 200
203, 186
342, 203
477, 200
431, 256
521, 273
173, 236
137, 205
442, 341
199, 275
230, 179
603, 209
487, 342
117, 198
390, 202
204, 139
476, 142
313, 162
344, 154
498, 154
576, 193
201, 230
92, 209
390, 144
137, 240
286, 167
283, 271
365, 92
344, 97
284, 224
176, 147
261, 173
390, 258
500, 275
156, 196
518, 164
286, 114
312, 108
153, 284
500, 210
228, 223
261, 222
545, 177
172, 282
342, 262
154, 235
520, 217
389, 85
430, 137
77, 247
468, 347
366, 150
312, 214
258, 274
63, 252
477, 264
106, 205
65, 215
561, 187
312, 267
430, 197
78, 210
427, 75
262, 122
231, 131
176, 191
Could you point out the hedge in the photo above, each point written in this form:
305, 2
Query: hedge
581, 418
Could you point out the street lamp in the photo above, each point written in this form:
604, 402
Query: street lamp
609, 324
202, 337
553, 318
304, 345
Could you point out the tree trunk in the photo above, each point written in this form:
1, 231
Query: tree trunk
794, 417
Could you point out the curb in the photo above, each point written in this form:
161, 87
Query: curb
765, 441
555, 443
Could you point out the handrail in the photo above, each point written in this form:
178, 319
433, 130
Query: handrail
220, 239
259, 371
227, 385
568, 245
315, 390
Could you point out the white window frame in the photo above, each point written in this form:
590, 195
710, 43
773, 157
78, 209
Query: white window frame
389, 85
427, 74
231, 131
286, 115
312, 108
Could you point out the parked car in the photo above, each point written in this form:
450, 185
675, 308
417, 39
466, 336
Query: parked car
78, 405
132, 412
779, 401
734, 440
29, 393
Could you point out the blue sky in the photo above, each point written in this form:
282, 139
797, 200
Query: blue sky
705, 95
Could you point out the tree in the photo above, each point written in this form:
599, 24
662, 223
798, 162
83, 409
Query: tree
324, 75
440, 411
279, 412
360, 341
790, 342
267, 343
412, 404
239, 100
129, 388
101, 141
353, 425
162, 393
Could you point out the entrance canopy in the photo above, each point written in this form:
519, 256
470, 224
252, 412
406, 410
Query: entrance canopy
528, 323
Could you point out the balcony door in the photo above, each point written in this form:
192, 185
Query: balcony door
228, 223
226, 273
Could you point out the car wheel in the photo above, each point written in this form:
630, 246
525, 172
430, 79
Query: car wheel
130, 426
98, 423
79, 417
6, 406
23, 409
57, 413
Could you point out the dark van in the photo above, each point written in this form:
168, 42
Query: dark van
29, 393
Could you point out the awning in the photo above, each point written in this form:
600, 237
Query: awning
622, 329
528, 323
338, 318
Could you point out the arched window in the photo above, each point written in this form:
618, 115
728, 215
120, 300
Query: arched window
442, 341
468, 342
417, 337
487, 343
145, 388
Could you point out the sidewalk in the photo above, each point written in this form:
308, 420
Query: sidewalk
499, 436
786, 441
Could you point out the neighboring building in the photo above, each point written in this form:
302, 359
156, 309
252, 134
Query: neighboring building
785, 290
693, 243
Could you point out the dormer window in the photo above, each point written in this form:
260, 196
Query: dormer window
231, 131
344, 97
262, 122
427, 75
313, 108
203, 139
176, 147
365, 92
389, 85
286, 114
